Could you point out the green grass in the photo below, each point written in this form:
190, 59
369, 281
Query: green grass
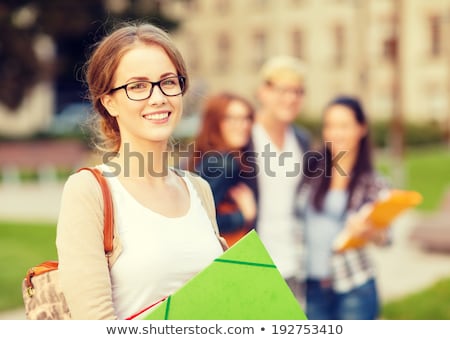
426, 170
429, 304
22, 245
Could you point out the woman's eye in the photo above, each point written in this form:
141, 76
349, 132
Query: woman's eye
169, 82
138, 86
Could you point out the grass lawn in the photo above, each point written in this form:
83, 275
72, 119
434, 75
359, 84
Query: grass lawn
22, 246
426, 170
429, 304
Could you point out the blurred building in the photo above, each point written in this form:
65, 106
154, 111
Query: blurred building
394, 54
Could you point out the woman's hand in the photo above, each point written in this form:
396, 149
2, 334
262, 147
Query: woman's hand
244, 198
223, 243
360, 225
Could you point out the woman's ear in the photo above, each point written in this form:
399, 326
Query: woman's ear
108, 103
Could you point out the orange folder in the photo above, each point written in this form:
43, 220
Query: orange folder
381, 215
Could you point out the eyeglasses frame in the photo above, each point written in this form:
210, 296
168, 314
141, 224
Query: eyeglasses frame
182, 80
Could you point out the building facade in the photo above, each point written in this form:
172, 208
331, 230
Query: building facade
393, 54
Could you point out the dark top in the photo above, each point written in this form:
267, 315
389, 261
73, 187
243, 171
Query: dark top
223, 171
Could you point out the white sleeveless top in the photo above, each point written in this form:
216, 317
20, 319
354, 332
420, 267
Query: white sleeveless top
160, 254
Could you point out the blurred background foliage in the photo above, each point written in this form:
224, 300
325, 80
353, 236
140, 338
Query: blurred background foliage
72, 25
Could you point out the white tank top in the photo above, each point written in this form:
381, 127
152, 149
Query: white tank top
160, 254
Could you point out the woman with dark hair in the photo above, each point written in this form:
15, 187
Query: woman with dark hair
335, 195
221, 157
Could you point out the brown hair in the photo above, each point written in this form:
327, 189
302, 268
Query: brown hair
209, 136
101, 66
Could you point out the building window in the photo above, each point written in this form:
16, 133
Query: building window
192, 5
259, 49
297, 40
223, 6
390, 48
260, 4
435, 32
339, 45
389, 40
223, 53
298, 2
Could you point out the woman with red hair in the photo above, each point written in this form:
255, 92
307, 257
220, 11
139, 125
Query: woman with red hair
222, 158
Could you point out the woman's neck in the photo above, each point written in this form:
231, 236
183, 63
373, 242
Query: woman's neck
342, 168
275, 129
149, 161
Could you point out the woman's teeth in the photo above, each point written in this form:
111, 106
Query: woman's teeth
157, 116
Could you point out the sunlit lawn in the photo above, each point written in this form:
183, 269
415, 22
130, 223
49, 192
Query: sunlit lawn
426, 170
429, 304
22, 245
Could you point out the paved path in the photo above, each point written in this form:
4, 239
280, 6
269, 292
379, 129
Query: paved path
30, 202
402, 268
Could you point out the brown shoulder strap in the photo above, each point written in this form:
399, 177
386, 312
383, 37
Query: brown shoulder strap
108, 224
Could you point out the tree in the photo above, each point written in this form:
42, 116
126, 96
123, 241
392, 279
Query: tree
73, 25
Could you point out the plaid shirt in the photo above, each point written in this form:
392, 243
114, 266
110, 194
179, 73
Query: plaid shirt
353, 267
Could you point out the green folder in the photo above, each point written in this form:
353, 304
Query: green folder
242, 284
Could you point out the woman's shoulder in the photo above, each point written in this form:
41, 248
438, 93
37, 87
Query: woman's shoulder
81, 203
81, 183
194, 178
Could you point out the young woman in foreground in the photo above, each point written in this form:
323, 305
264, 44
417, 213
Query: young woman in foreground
163, 235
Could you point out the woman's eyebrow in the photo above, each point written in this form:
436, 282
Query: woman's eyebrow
162, 76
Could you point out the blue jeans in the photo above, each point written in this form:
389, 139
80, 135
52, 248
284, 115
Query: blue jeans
323, 303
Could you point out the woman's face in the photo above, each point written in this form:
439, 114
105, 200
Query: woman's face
152, 119
341, 131
236, 125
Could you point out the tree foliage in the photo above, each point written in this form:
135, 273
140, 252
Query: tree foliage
73, 25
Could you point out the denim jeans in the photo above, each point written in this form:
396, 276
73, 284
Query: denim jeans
323, 303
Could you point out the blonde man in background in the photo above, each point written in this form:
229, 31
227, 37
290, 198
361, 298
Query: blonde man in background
279, 147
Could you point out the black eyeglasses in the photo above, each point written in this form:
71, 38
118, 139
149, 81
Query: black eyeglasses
143, 89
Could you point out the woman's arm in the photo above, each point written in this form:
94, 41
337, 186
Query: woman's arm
83, 266
371, 189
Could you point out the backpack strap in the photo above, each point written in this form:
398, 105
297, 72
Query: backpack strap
108, 224
204, 191
206, 196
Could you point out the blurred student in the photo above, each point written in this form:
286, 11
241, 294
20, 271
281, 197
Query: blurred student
335, 195
219, 157
279, 146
